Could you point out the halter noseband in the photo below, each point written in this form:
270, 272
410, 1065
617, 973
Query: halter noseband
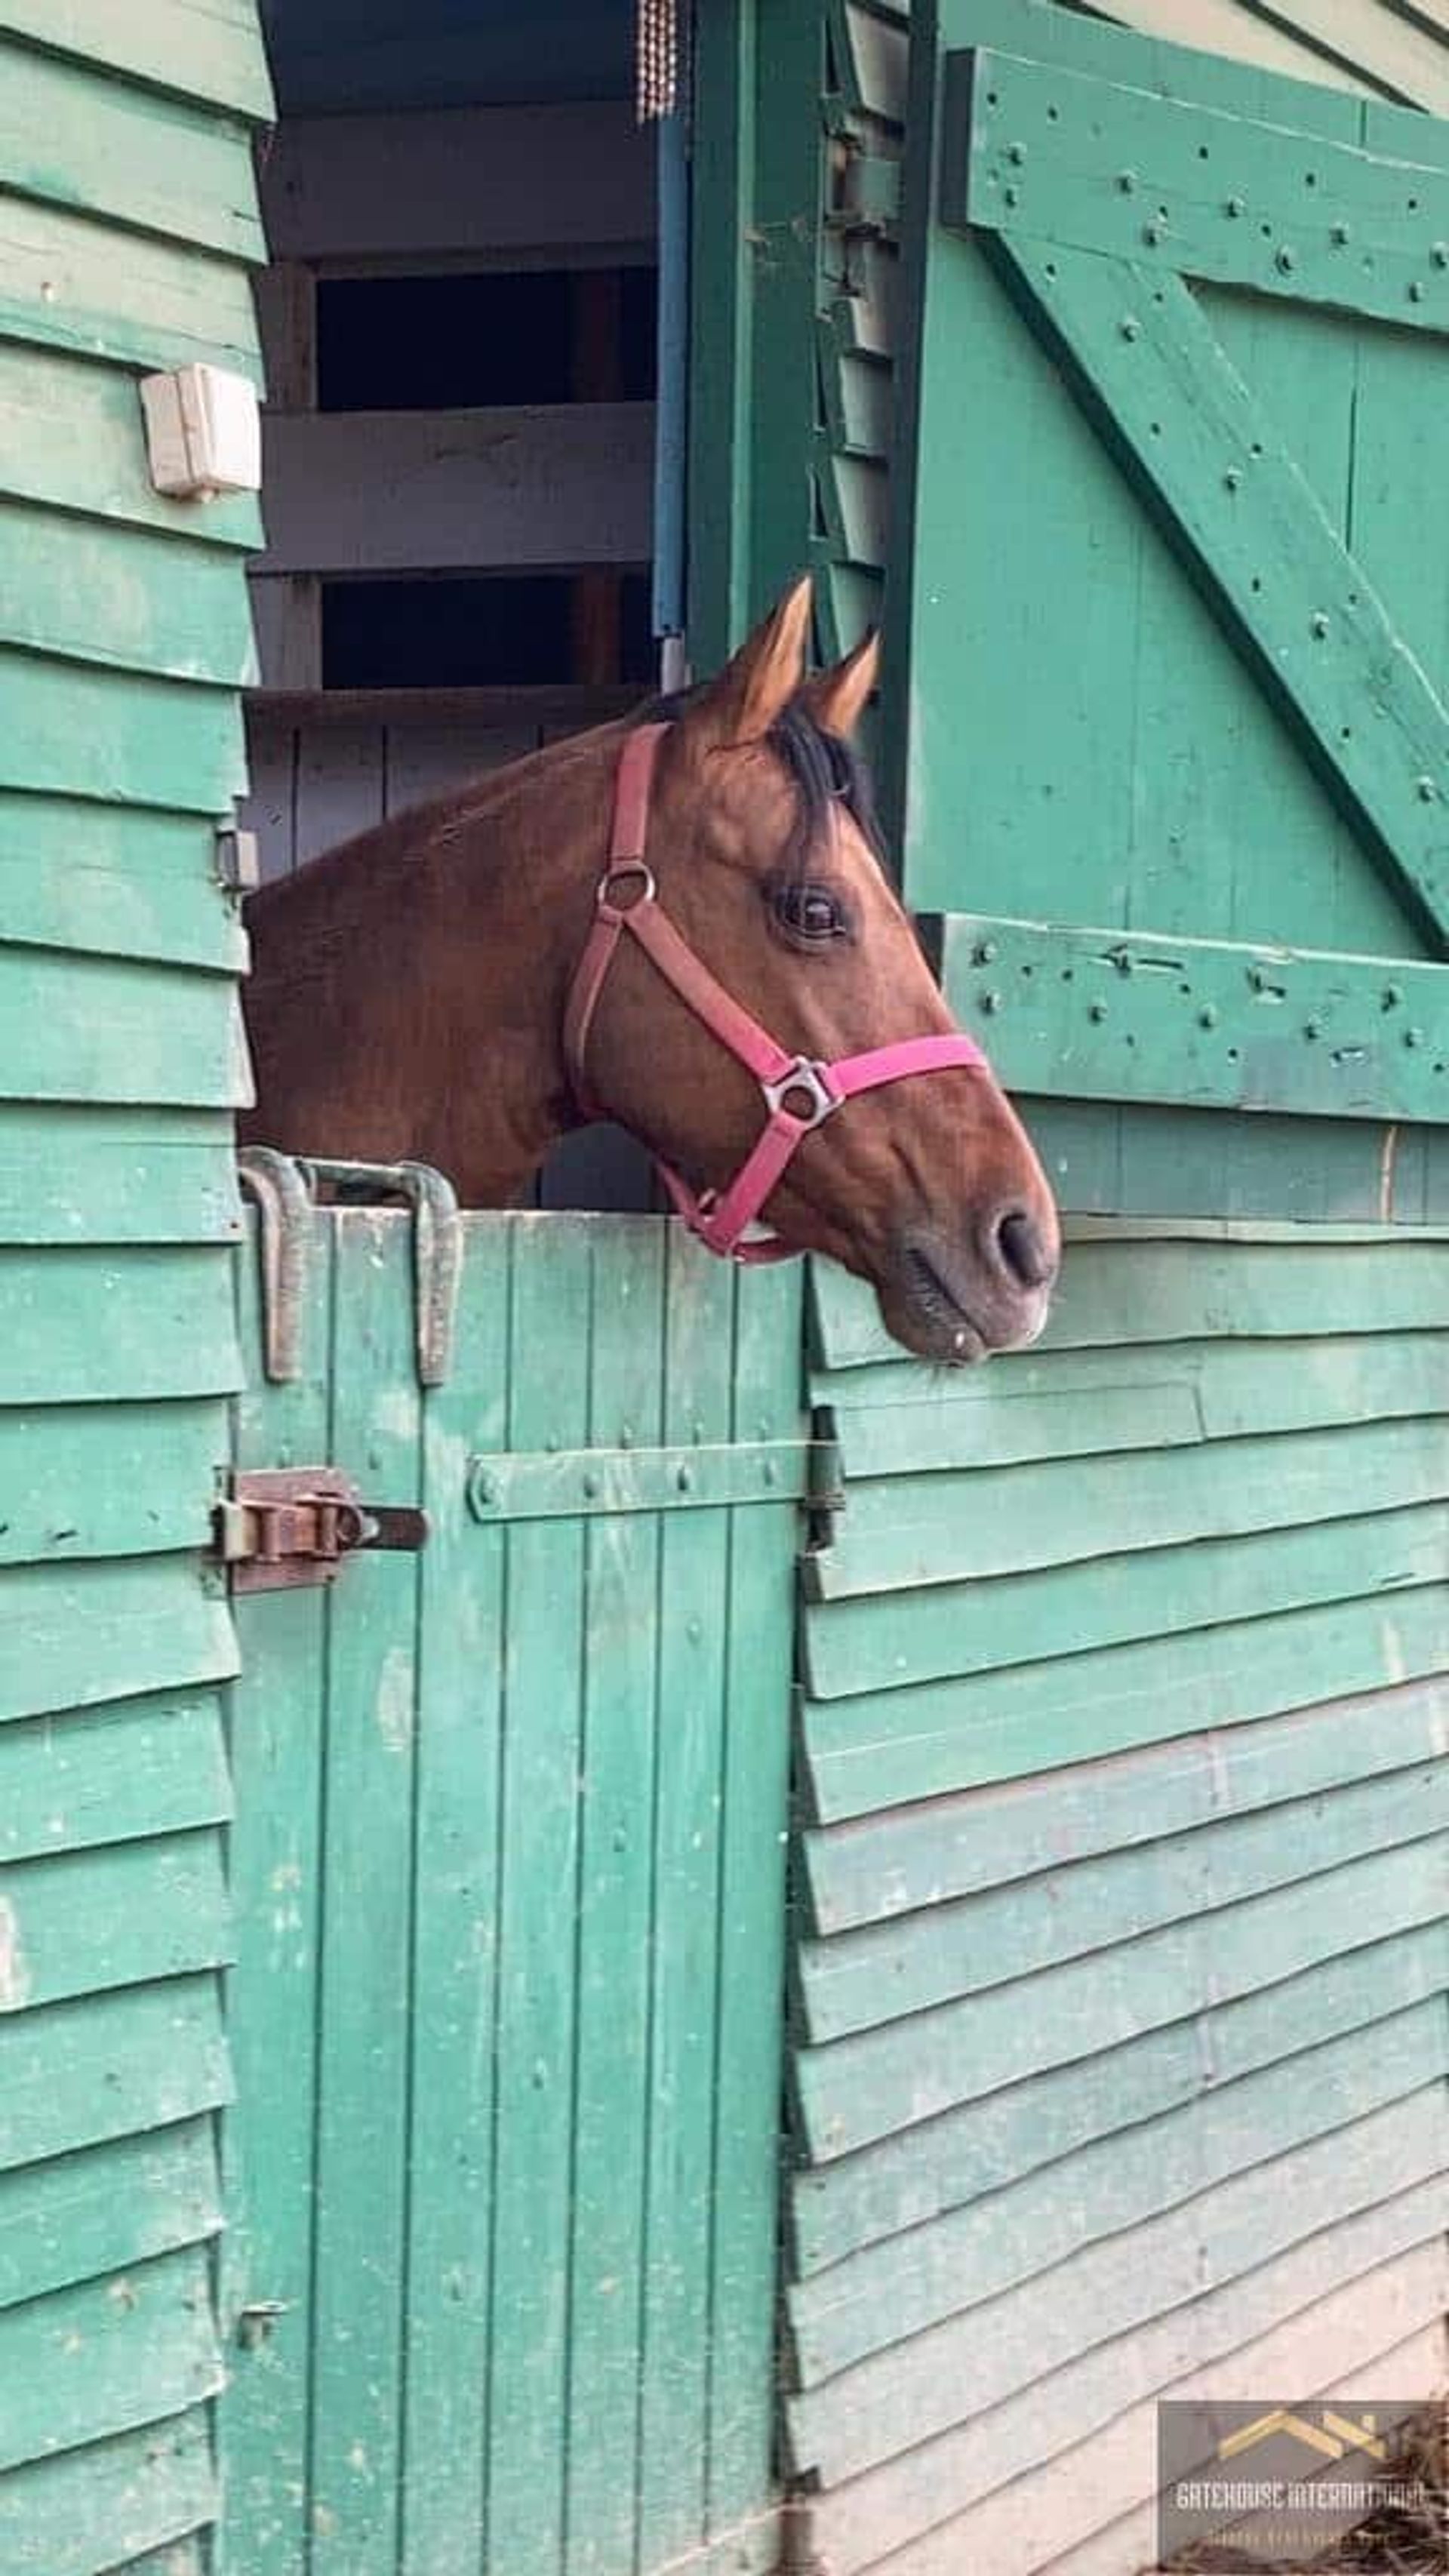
799, 1092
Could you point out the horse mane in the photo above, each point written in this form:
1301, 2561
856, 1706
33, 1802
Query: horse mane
823, 768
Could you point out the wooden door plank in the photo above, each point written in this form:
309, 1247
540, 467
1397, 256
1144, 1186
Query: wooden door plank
698, 1364
614, 2109
365, 1927
277, 1731
754, 1794
1128, 1015
454, 2102
1324, 643
535, 1962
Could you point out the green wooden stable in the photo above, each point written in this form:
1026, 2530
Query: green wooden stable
400, 1983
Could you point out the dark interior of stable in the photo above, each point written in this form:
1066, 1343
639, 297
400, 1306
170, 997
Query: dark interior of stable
464, 448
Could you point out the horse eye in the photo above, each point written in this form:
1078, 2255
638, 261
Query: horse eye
810, 912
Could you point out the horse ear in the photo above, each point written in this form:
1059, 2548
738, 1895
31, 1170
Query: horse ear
836, 699
756, 687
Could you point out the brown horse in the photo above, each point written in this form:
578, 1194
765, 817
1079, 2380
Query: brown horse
418, 995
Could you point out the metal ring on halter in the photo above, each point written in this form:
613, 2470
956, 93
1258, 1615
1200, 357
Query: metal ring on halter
648, 890
809, 1075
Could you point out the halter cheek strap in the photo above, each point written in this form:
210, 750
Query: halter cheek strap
799, 1092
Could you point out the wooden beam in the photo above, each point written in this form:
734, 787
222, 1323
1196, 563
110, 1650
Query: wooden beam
511, 490
510, 184
1145, 362
1208, 1024
1058, 155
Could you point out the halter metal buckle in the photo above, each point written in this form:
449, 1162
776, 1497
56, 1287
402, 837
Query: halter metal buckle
625, 872
806, 1074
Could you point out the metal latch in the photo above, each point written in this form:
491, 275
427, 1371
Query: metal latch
283, 1526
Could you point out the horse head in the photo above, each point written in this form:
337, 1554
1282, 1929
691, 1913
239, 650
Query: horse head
784, 950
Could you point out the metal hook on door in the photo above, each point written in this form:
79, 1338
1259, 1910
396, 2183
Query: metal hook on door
284, 1189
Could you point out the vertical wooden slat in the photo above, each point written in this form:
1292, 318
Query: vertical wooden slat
366, 1891
454, 1945
612, 2106
694, 1560
754, 1783
543, 1666
276, 1741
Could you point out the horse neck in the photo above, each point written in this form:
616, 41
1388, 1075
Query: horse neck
408, 991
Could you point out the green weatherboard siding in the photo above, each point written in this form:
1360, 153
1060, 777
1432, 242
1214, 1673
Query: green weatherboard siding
509, 1889
126, 161
1122, 1869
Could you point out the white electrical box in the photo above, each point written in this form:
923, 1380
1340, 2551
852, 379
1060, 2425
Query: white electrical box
203, 433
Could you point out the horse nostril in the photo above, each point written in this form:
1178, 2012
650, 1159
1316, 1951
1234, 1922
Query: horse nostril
1023, 1249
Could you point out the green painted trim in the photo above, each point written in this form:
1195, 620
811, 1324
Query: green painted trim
599, 1483
1210, 1024
1147, 364
1234, 198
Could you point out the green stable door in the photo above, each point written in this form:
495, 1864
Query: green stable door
508, 1877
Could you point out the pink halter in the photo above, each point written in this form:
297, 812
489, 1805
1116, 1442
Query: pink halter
799, 1092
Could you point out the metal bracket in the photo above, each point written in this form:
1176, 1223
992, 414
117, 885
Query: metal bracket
284, 1207
571, 1484
281, 1527
284, 1189
437, 1244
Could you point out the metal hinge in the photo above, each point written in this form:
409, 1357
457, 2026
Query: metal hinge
279, 1527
